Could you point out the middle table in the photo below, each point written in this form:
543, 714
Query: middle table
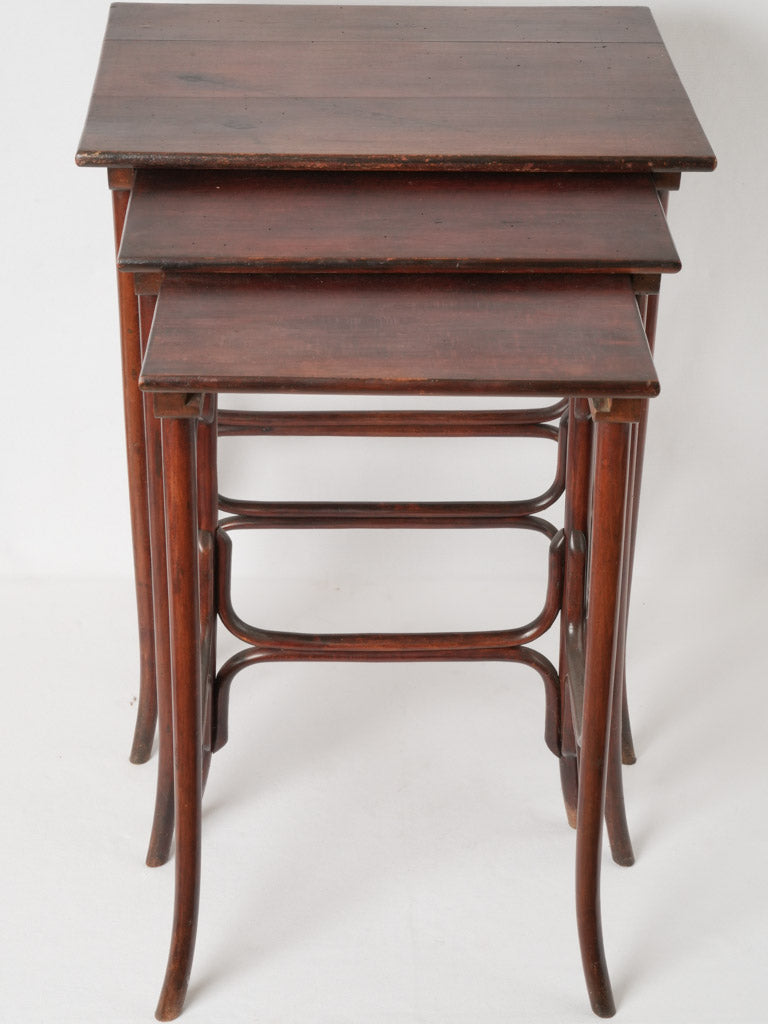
300, 274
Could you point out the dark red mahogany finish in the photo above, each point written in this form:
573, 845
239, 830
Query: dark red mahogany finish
284, 203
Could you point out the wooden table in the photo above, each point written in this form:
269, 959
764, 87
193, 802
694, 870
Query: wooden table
350, 88
311, 113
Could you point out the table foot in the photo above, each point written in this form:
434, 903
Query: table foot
146, 717
628, 755
569, 781
615, 810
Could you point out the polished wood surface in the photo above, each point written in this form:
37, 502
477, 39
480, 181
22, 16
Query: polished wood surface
428, 334
389, 88
369, 69
298, 221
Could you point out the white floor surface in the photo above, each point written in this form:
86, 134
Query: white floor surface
382, 844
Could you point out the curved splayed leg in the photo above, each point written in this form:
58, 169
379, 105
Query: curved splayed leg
649, 311
182, 544
130, 346
607, 536
576, 525
615, 810
161, 835
208, 514
569, 768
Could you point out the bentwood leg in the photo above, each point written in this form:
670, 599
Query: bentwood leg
606, 548
621, 746
576, 527
179, 437
162, 823
133, 406
627, 752
208, 514
615, 810
641, 430
650, 312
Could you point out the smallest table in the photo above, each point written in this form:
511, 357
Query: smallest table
524, 334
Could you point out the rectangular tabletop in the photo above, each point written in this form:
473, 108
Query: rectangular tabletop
399, 334
315, 87
310, 220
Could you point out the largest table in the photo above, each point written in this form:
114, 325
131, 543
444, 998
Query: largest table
456, 90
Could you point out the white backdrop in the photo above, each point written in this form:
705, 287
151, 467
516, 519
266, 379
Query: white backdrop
64, 510
700, 595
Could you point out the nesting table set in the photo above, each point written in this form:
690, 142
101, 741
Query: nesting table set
392, 201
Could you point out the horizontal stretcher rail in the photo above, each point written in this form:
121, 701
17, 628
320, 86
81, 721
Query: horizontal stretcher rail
396, 645
522, 655
398, 515
497, 518
383, 515
387, 423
